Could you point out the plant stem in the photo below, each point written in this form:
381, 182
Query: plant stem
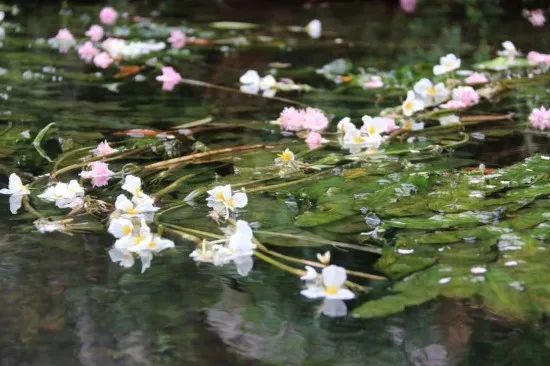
365, 248
196, 156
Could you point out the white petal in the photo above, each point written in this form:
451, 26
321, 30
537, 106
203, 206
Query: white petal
122, 203
250, 77
311, 274
240, 199
313, 292
15, 184
15, 203
334, 308
342, 294
146, 258
334, 276
244, 265
132, 184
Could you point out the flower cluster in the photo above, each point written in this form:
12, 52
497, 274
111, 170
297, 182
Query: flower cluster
128, 224
222, 200
463, 97
535, 17
311, 119
540, 118
368, 137
64, 195
537, 58
253, 83
236, 247
99, 173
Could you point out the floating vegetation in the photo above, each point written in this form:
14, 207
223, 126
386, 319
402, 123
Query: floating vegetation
373, 190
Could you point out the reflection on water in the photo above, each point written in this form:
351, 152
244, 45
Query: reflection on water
64, 303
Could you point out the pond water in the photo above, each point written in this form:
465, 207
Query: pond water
64, 302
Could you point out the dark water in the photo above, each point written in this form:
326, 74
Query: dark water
64, 303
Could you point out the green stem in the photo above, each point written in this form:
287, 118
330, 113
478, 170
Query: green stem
365, 248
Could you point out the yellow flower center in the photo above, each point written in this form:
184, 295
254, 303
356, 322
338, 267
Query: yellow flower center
358, 140
286, 156
126, 229
408, 106
152, 245
432, 92
220, 197
372, 130
230, 203
133, 210
138, 239
331, 290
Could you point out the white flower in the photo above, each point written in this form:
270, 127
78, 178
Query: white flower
286, 157
122, 256
314, 28
16, 189
431, 94
332, 287
221, 199
354, 141
447, 64
509, 51
252, 83
132, 184
132, 209
240, 242
410, 124
121, 49
137, 241
324, 258
310, 275
374, 126
45, 225
238, 248
345, 125
412, 104
453, 119
120, 227
64, 195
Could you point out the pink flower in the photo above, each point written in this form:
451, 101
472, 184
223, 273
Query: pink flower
170, 78
177, 39
108, 15
536, 17
476, 78
290, 119
540, 118
95, 33
104, 149
374, 82
463, 97
453, 104
87, 52
65, 40
99, 173
390, 124
314, 140
536, 58
408, 6
314, 120
103, 60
